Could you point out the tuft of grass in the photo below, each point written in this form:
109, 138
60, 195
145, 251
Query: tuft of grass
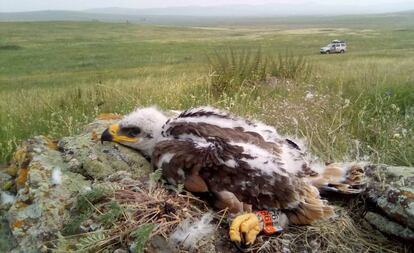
233, 70
288, 66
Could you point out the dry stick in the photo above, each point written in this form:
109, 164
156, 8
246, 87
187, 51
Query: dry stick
222, 217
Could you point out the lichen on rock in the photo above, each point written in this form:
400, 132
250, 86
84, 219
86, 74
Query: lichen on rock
40, 206
391, 191
389, 227
47, 176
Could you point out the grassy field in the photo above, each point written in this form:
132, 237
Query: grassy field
57, 76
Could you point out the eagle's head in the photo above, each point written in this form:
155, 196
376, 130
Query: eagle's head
139, 130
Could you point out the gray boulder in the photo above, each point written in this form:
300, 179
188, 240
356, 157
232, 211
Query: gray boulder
47, 176
391, 190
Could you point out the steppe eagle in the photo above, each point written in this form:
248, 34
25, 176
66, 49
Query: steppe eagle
239, 164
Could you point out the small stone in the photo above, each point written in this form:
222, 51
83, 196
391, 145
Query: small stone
6, 200
37, 150
43, 249
74, 164
93, 157
159, 244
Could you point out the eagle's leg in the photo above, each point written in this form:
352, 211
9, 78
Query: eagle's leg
226, 199
247, 225
244, 228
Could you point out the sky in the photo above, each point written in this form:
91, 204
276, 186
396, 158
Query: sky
33, 5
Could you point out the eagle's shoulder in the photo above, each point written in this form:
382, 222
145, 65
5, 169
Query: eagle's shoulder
216, 122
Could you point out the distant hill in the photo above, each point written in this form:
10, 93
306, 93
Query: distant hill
49, 15
56, 15
231, 14
264, 10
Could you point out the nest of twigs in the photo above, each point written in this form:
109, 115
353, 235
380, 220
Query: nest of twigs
159, 206
125, 211
117, 213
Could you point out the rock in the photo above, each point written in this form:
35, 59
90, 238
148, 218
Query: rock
86, 155
391, 190
40, 206
389, 227
47, 176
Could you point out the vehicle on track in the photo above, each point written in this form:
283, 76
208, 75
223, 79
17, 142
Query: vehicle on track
336, 46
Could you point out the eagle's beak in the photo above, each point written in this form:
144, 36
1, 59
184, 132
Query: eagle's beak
112, 133
106, 136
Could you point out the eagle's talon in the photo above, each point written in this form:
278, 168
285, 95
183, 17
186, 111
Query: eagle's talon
245, 228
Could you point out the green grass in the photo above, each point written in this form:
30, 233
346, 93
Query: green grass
57, 76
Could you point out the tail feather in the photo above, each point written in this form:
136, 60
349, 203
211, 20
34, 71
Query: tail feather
341, 178
310, 208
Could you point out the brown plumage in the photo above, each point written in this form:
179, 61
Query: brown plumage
203, 169
240, 164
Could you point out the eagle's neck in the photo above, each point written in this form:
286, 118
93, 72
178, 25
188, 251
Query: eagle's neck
156, 135
155, 138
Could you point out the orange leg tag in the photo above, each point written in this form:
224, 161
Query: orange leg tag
270, 219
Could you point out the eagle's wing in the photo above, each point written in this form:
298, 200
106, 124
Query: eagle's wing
208, 150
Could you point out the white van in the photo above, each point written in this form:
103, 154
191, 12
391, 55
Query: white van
336, 46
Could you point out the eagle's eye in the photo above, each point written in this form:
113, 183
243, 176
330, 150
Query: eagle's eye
131, 131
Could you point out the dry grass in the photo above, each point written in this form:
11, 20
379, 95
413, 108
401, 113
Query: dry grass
149, 209
121, 210
160, 207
